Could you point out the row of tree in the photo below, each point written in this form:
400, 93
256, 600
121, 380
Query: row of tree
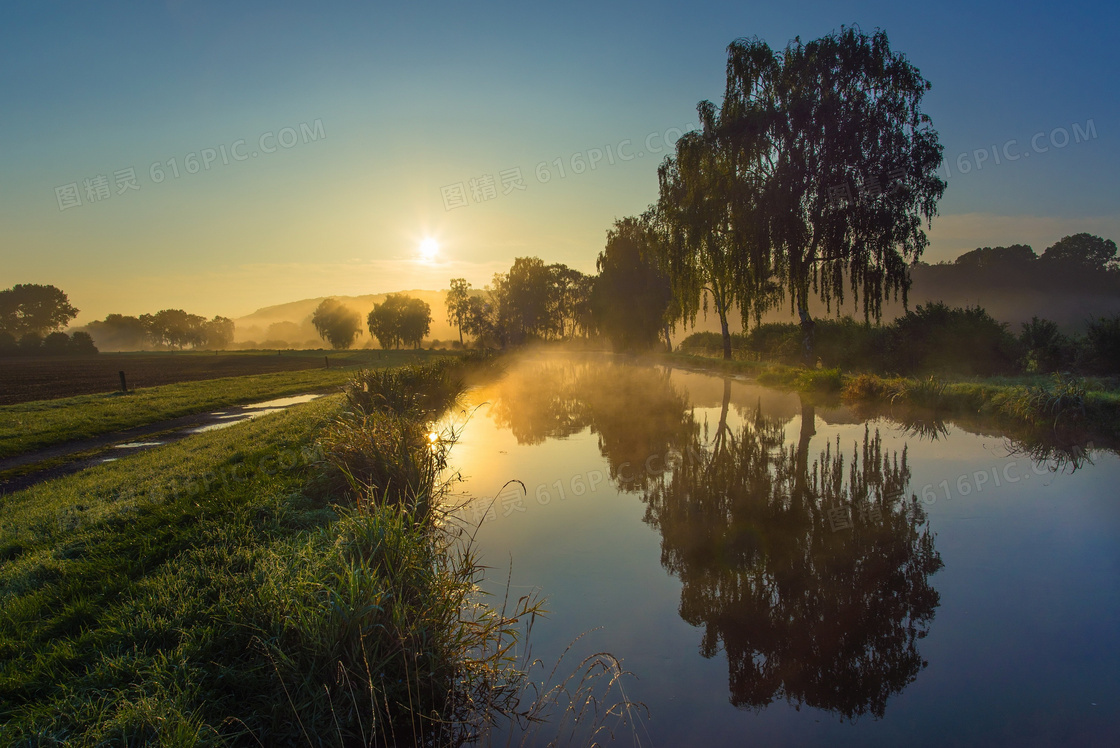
170, 328
1074, 277
399, 320
32, 317
1079, 253
625, 302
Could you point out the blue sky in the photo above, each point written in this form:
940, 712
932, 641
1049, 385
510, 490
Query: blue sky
383, 112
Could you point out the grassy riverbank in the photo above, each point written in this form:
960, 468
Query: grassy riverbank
223, 591
1036, 401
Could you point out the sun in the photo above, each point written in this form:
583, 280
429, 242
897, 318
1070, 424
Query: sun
428, 248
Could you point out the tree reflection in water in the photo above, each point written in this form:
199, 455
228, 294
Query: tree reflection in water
637, 414
811, 576
539, 402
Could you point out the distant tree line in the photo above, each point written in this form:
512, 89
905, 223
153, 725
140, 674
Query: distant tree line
32, 317
1076, 273
169, 328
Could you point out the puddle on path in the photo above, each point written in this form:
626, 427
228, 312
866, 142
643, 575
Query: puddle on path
226, 418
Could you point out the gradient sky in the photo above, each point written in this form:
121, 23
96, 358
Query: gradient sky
411, 100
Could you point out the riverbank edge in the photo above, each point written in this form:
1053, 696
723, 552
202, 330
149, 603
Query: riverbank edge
1056, 402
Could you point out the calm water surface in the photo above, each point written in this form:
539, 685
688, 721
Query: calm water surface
778, 573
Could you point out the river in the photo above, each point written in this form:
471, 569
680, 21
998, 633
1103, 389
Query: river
777, 572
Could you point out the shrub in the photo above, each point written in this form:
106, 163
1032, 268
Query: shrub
381, 457
925, 393
30, 343
1060, 404
844, 342
776, 341
872, 387
851, 345
419, 391
936, 338
1102, 341
376, 634
8, 344
1046, 349
56, 344
394, 645
820, 380
702, 342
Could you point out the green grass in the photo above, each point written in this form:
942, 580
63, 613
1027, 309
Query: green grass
803, 380
124, 588
214, 592
35, 425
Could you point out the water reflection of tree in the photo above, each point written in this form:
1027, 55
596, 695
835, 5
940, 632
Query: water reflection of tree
637, 414
640, 419
1065, 448
805, 608
540, 401
811, 574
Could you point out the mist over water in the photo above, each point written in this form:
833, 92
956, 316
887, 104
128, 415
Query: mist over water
778, 571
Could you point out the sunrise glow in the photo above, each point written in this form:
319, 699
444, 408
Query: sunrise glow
428, 250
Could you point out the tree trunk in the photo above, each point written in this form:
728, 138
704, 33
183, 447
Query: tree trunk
668, 340
726, 335
807, 335
460, 336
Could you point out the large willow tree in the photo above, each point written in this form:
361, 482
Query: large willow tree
828, 167
709, 242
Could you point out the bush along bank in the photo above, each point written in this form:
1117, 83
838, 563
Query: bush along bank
932, 339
